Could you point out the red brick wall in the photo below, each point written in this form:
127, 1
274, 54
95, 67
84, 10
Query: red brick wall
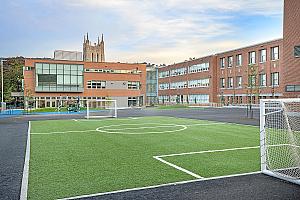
268, 67
291, 38
192, 76
29, 79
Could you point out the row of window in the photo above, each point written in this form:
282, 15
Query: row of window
183, 84
292, 88
114, 71
252, 81
190, 99
178, 72
251, 57
181, 71
178, 85
98, 84
134, 85
59, 77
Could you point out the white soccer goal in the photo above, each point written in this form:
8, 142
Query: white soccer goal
280, 138
101, 108
3, 107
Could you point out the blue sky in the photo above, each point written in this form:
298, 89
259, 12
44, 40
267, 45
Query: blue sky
156, 31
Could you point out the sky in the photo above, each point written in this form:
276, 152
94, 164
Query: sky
152, 31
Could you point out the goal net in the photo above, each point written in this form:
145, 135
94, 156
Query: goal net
101, 108
280, 138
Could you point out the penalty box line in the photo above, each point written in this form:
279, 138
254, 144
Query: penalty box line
162, 125
160, 158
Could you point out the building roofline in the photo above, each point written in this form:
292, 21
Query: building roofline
217, 54
67, 51
53, 60
252, 45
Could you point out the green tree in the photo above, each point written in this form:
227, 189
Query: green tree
13, 75
252, 87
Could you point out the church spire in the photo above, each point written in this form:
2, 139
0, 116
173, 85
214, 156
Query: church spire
102, 38
87, 36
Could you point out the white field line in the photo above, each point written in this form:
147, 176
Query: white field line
109, 130
100, 120
161, 185
177, 167
190, 153
207, 124
208, 151
142, 127
62, 132
24, 186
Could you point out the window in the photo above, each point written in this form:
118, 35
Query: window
275, 53
262, 80
163, 99
275, 79
164, 86
199, 83
262, 55
222, 62
164, 74
230, 61
222, 82
293, 88
230, 82
198, 98
58, 77
27, 68
239, 81
96, 84
133, 85
178, 85
239, 60
178, 72
252, 59
199, 68
297, 51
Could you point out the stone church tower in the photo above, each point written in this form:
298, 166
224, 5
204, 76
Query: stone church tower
93, 53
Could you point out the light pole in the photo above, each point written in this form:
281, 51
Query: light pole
2, 87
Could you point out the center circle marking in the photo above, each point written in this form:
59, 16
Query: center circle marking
113, 129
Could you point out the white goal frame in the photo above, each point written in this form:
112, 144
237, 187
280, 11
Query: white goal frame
263, 136
114, 115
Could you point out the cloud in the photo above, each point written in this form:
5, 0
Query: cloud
161, 31
173, 30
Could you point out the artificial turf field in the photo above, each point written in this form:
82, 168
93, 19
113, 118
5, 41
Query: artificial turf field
80, 157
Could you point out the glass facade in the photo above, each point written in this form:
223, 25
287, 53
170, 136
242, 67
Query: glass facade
152, 86
59, 77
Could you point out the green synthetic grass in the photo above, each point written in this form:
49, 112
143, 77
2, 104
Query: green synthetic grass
78, 163
223, 163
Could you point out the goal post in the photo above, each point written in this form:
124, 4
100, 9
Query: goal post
101, 108
280, 138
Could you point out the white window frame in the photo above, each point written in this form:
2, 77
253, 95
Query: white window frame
263, 56
252, 57
239, 60
274, 55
